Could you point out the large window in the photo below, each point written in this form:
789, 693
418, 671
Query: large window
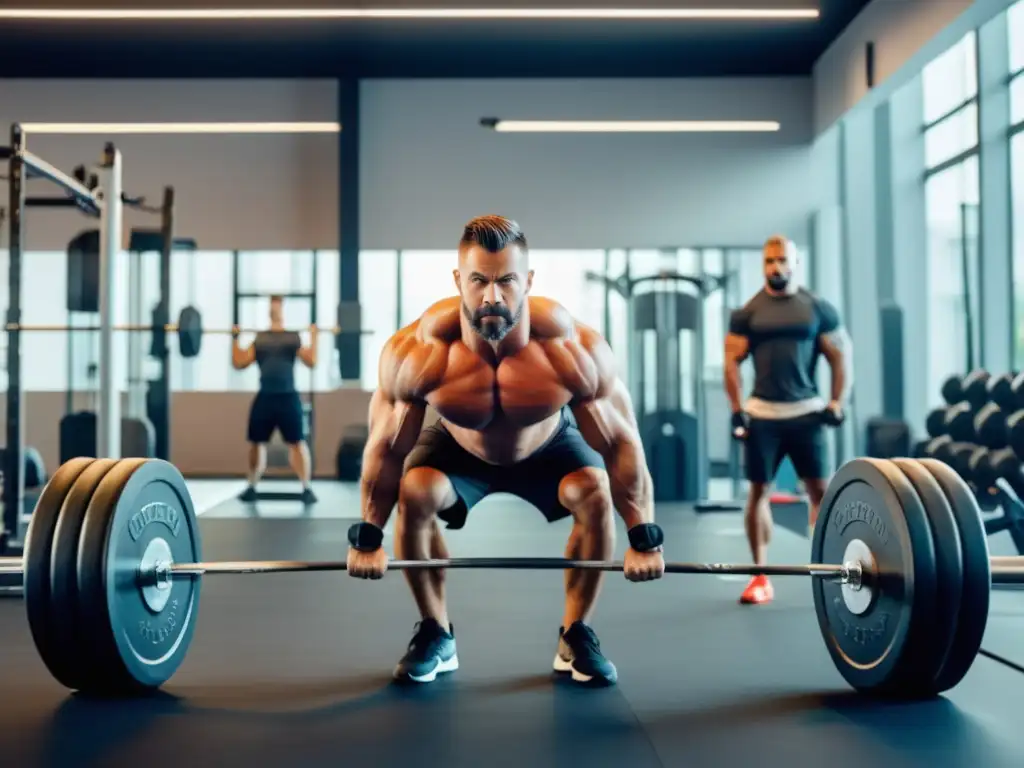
378, 277
950, 95
950, 90
1017, 186
952, 200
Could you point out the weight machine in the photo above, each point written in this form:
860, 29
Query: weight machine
675, 441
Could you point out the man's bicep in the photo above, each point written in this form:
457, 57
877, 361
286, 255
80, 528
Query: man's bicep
394, 424
835, 344
606, 422
737, 347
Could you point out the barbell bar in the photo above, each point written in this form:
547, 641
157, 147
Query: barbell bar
113, 556
189, 329
169, 328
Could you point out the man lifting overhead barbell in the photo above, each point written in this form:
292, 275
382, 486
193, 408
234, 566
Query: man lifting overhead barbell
277, 405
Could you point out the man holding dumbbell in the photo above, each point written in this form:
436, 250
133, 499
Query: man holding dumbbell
783, 329
277, 405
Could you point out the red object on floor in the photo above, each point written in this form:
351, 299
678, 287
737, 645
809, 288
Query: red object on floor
785, 498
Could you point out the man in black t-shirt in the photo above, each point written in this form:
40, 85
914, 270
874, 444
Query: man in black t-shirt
277, 404
784, 329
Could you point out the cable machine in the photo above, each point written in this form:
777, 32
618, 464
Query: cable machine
675, 440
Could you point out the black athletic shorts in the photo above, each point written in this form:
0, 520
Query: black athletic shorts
802, 439
534, 479
276, 410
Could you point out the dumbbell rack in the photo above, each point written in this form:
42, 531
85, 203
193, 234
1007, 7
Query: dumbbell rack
980, 435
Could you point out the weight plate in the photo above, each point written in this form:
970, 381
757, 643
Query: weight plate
977, 574
871, 505
141, 511
190, 332
74, 667
949, 560
38, 551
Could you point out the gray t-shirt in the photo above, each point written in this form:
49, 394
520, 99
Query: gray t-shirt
783, 332
275, 354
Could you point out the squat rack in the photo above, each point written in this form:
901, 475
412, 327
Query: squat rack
102, 200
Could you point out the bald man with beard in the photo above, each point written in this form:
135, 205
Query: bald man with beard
784, 329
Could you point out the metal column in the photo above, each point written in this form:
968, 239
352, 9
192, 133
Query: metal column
108, 418
14, 478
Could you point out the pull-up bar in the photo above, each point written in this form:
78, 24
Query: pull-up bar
37, 168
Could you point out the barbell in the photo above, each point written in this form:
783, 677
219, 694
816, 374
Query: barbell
189, 330
900, 565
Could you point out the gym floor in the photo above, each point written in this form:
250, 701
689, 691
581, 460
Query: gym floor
293, 669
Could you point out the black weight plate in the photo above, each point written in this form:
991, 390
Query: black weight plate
879, 650
38, 550
75, 668
977, 572
190, 332
138, 502
949, 573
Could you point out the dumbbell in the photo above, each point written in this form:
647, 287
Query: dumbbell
934, 448
935, 422
1002, 393
1015, 433
958, 422
956, 455
975, 387
952, 390
1017, 388
989, 466
990, 428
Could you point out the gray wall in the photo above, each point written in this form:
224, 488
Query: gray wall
234, 191
427, 165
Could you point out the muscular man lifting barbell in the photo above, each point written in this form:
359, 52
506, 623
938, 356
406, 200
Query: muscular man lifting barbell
502, 368
784, 329
277, 405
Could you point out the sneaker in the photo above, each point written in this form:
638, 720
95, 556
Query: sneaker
308, 497
579, 654
249, 494
431, 652
758, 591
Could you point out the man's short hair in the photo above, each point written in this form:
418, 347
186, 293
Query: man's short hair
494, 233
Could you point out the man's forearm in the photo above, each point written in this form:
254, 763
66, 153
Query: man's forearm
733, 386
380, 484
632, 487
839, 382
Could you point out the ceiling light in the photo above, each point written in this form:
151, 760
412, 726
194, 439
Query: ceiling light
255, 14
631, 126
175, 128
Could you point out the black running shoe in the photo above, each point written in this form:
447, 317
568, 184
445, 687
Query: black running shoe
431, 652
308, 497
249, 494
579, 653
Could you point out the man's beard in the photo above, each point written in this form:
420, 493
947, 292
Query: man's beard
778, 282
493, 330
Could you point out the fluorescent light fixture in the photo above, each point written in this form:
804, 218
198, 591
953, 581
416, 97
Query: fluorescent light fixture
631, 126
256, 14
178, 128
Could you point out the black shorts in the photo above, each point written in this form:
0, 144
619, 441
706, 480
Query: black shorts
802, 439
276, 410
534, 479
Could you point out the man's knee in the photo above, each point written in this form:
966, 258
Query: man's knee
587, 494
423, 493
